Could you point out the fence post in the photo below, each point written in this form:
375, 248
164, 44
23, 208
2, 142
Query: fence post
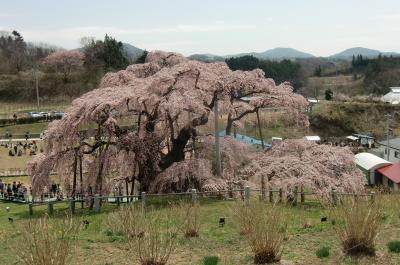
373, 197
71, 203
280, 195
30, 205
247, 194
50, 208
334, 197
96, 203
271, 196
118, 200
144, 199
194, 197
230, 193
262, 189
294, 201
302, 195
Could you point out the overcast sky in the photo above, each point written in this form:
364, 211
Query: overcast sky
221, 27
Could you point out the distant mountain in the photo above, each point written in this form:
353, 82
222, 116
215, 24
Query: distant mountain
277, 54
131, 52
283, 53
365, 52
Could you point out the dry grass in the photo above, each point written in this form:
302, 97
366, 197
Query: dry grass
46, 241
244, 217
189, 218
359, 223
265, 231
151, 234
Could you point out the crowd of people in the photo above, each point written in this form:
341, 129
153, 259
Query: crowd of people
52, 191
19, 149
14, 191
17, 191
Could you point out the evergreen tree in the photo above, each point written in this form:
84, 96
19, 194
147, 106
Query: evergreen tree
328, 94
142, 57
113, 55
318, 71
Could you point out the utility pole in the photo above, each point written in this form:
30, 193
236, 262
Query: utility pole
37, 88
388, 117
259, 129
217, 152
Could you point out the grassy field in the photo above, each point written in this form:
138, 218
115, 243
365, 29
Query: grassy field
21, 129
95, 245
7, 161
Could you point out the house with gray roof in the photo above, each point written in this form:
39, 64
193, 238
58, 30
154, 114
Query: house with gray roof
394, 150
393, 97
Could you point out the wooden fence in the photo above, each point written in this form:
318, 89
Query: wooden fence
274, 196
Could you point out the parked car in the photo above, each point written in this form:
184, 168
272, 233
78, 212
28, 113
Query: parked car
56, 114
34, 114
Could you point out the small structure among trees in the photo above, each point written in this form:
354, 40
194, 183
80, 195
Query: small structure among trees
146, 123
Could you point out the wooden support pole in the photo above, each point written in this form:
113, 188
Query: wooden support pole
334, 197
262, 188
144, 199
194, 197
294, 203
97, 206
373, 197
50, 208
247, 194
30, 205
271, 196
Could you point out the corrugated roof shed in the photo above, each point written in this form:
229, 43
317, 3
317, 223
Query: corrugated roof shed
369, 161
392, 172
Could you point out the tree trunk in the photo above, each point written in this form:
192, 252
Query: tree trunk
178, 149
81, 178
75, 169
229, 123
259, 129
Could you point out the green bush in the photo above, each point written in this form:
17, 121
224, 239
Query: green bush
394, 246
323, 252
210, 260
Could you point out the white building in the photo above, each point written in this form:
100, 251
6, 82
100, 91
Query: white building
369, 163
393, 97
313, 138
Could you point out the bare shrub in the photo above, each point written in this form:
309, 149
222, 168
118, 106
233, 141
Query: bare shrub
47, 241
359, 222
189, 219
243, 214
125, 220
266, 231
151, 234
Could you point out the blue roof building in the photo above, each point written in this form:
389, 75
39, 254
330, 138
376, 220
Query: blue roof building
245, 139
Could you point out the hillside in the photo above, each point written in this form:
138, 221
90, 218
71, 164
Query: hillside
365, 52
283, 53
131, 52
343, 118
276, 54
